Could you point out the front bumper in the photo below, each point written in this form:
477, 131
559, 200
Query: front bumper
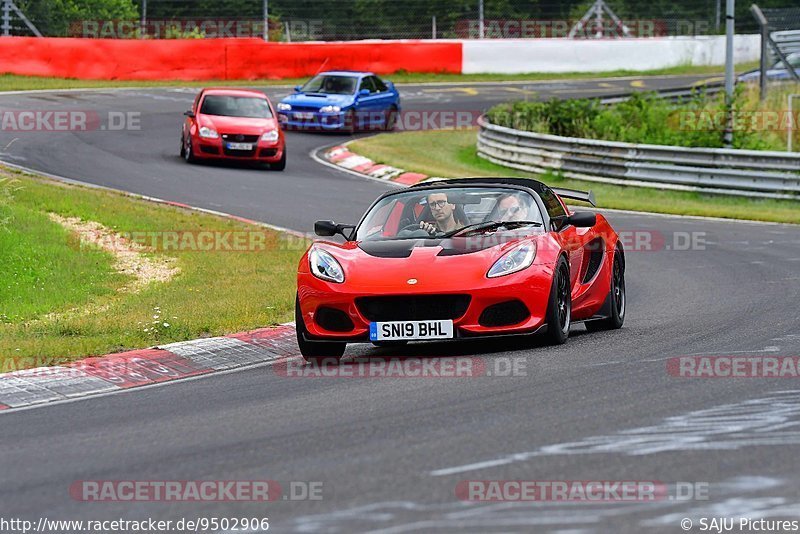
315, 121
205, 148
532, 290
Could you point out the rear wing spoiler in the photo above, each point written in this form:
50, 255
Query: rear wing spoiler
583, 196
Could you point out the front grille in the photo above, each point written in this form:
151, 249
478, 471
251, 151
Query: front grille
413, 308
240, 138
504, 314
333, 319
305, 108
240, 153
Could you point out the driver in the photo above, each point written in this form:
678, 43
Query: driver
443, 213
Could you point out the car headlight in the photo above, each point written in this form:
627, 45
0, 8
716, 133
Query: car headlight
516, 259
208, 133
282, 106
324, 266
330, 109
270, 136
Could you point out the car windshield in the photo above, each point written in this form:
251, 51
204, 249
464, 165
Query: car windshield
331, 85
449, 211
236, 106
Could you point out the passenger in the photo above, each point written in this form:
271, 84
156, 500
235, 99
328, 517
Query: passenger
510, 207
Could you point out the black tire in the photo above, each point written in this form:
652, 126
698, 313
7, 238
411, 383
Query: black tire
281, 165
616, 303
391, 119
315, 351
559, 306
183, 148
350, 122
188, 152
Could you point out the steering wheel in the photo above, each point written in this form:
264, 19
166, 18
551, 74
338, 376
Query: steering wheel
414, 226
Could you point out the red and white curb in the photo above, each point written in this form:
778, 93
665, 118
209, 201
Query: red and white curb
146, 367
341, 156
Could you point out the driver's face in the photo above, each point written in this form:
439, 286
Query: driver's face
511, 210
440, 208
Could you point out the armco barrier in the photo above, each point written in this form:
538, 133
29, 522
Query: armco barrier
713, 170
221, 59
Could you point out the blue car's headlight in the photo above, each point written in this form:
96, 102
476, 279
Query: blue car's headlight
324, 266
514, 260
282, 106
330, 109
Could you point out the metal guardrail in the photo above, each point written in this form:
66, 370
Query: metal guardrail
752, 173
672, 95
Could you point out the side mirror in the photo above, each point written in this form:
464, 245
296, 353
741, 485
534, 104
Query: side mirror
189, 113
582, 219
298, 88
363, 92
330, 229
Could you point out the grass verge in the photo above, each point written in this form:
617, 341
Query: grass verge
452, 154
13, 82
61, 298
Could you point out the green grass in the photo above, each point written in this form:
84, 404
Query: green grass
13, 82
451, 154
60, 301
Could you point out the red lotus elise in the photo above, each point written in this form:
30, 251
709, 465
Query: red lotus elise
233, 124
460, 258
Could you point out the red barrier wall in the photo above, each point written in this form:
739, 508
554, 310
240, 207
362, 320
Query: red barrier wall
206, 59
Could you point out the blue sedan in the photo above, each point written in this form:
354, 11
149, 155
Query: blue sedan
341, 100
777, 72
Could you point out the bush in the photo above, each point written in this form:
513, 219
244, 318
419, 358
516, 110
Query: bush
697, 121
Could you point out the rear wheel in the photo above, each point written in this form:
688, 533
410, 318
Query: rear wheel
391, 119
559, 307
315, 351
616, 302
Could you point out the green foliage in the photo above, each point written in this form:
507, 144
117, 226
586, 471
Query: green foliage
53, 17
698, 121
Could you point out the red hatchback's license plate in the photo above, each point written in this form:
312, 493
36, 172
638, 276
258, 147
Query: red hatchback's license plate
240, 146
409, 330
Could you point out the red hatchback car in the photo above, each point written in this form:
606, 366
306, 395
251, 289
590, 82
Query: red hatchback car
233, 124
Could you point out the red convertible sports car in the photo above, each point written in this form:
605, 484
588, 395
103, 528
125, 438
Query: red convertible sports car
233, 124
460, 258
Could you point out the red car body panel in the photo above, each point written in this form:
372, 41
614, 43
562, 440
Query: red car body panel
463, 274
231, 129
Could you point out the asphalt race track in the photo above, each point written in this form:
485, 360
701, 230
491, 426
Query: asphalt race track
390, 452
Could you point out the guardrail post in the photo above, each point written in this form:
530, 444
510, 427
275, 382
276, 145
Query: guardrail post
729, 20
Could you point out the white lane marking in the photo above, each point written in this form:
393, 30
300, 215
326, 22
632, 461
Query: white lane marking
772, 420
313, 155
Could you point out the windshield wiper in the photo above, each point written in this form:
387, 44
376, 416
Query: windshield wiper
489, 225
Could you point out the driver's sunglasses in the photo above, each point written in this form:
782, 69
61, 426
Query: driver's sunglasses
437, 204
513, 210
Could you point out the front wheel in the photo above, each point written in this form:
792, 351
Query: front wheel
281, 165
188, 152
616, 302
314, 351
559, 307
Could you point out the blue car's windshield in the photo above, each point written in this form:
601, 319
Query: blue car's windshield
331, 85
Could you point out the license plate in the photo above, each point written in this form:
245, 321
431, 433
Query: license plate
240, 146
398, 330
304, 115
